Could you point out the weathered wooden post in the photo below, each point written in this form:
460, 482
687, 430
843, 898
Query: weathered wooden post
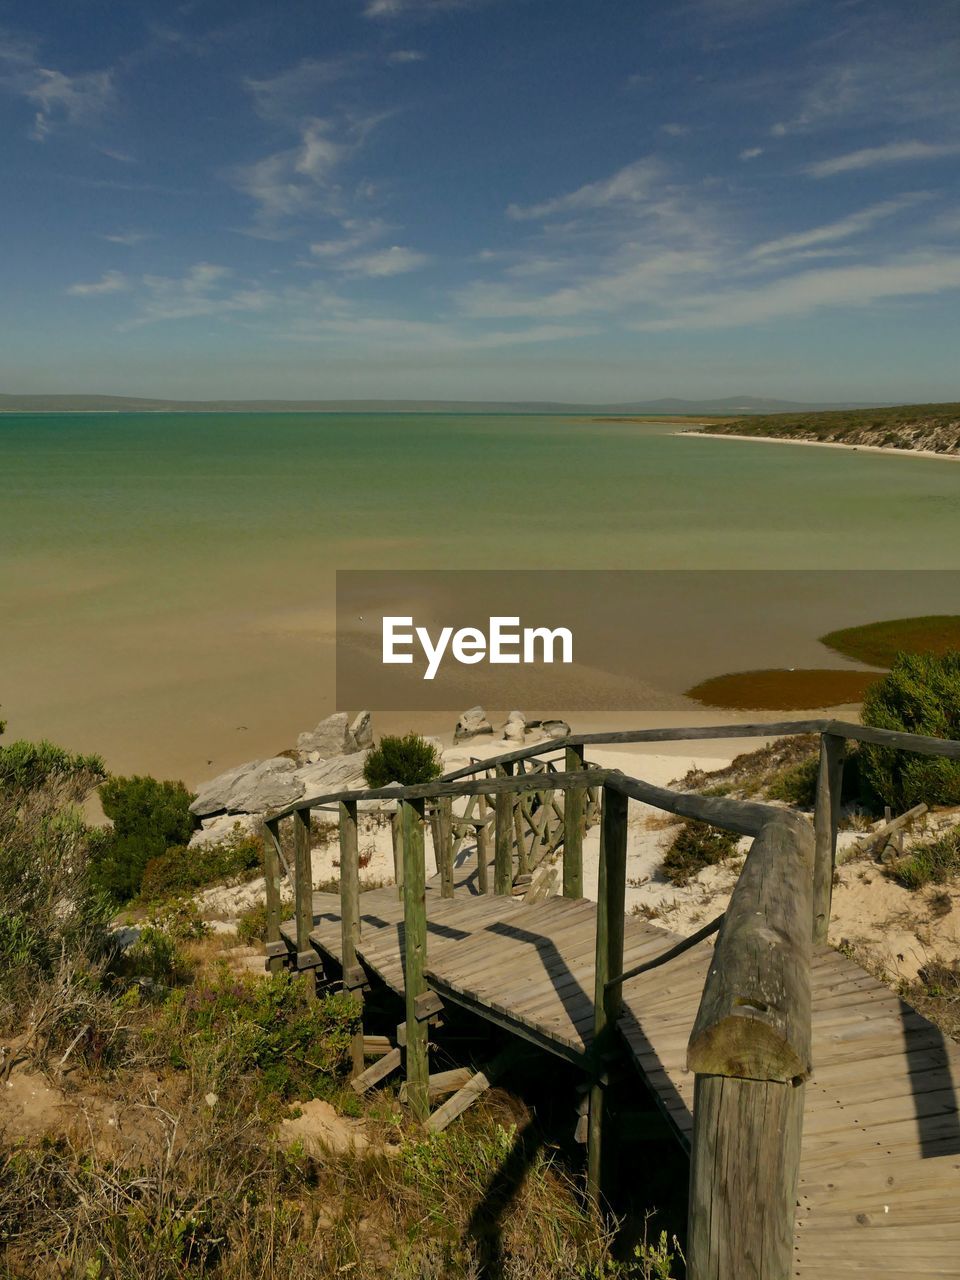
307, 958
611, 890
353, 976
396, 836
445, 855
276, 949
433, 810
826, 820
574, 803
750, 1049
483, 847
503, 838
415, 957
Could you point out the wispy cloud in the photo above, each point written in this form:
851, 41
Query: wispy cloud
401, 56
633, 183
381, 263
293, 92
674, 130
802, 294
874, 157
127, 238
57, 99
205, 289
751, 153
398, 8
288, 182
854, 224
109, 282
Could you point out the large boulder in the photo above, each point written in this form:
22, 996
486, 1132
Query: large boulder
343, 773
253, 787
362, 732
331, 737
225, 828
472, 724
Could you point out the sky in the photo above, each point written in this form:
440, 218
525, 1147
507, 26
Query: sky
481, 199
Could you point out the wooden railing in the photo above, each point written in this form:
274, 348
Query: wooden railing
750, 1044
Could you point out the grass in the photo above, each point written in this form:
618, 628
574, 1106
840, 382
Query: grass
933, 862
878, 643
781, 689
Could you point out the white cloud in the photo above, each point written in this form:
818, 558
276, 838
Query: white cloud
397, 8
853, 225
127, 238
889, 153
203, 290
292, 93
675, 130
751, 153
289, 182
58, 99
634, 182
382, 263
915, 275
109, 282
402, 56
358, 234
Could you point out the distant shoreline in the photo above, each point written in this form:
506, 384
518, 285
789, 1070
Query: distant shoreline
823, 444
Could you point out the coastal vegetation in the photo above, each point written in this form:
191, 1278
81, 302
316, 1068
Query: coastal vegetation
783, 689
878, 643
408, 760
149, 817
929, 427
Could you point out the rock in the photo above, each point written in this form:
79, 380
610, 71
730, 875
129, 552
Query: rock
331, 737
253, 787
342, 773
472, 724
517, 715
514, 731
224, 827
323, 1131
555, 728
362, 731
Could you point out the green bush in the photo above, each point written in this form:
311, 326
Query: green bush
181, 869
934, 862
29, 766
148, 818
920, 695
407, 760
796, 785
296, 1046
695, 846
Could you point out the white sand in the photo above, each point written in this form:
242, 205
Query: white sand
824, 444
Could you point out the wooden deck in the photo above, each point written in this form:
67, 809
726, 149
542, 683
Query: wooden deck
880, 1169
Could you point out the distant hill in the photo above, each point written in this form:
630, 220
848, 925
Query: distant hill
933, 427
732, 405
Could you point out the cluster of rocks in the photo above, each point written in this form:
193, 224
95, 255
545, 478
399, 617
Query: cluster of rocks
516, 728
327, 758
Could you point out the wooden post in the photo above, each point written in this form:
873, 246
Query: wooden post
353, 979
750, 1049
303, 888
826, 820
415, 954
523, 860
483, 849
396, 835
573, 815
271, 873
435, 836
503, 838
611, 890
445, 856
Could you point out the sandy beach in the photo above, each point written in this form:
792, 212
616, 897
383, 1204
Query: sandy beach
825, 444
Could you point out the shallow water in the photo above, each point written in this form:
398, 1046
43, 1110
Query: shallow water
166, 579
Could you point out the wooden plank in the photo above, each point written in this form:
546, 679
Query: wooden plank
378, 1071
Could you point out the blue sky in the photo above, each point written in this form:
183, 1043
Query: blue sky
494, 199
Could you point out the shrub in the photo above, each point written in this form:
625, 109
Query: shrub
920, 695
148, 818
797, 785
29, 766
934, 862
407, 760
695, 846
181, 869
296, 1046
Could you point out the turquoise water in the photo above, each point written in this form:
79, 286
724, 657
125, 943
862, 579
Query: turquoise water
155, 566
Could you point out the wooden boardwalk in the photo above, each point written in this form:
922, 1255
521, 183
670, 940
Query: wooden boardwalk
879, 1191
